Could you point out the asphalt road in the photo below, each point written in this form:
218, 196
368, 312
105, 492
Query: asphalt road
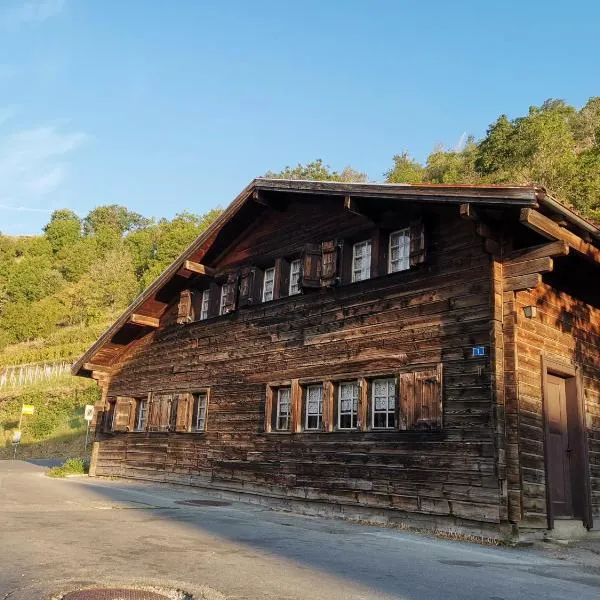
57, 535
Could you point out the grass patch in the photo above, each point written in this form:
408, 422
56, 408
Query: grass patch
72, 466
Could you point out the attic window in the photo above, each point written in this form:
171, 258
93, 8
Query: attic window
361, 261
295, 267
204, 306
227, 298
399, 251
268, 284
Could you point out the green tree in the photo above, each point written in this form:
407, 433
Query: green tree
63, 230
317, 170
405, 170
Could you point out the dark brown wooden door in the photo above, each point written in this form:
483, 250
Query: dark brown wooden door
558, 450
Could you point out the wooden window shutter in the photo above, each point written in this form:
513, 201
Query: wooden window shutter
247, 287
328, 403
329, 263
282, 278
164, 411
417, 243
184, 310
269, 409
421, 399
233, 287
154, 413
185, 405
296, 407
311, 267
214, 299
123, 409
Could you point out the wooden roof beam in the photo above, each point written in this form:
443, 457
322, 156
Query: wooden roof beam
144, 320
548, 228
199, 269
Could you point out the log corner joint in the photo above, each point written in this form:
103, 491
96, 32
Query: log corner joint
144, 320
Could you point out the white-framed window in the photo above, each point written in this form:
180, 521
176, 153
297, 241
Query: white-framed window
295, 267
142, 415
347, 405
314, 407
227, 291
204, 305
399, 251
199, 411
268, 284
383, 403
282, 421
361, 261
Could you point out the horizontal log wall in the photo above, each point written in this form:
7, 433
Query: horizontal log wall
568, 330
433, 314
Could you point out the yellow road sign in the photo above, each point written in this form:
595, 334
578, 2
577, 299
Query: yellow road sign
27, 409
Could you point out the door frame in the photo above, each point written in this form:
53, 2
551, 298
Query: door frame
572, 374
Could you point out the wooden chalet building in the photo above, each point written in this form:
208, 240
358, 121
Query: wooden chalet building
424, 354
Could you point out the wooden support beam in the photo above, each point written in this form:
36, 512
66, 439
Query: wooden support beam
144, 320
558, 248
522, 282
259, 198
548, 228
88, 366
351, 206
468, 212
199, 269
528, 267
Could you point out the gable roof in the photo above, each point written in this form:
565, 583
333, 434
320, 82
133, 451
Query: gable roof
483, 196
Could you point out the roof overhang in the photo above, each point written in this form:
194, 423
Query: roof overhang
483, 196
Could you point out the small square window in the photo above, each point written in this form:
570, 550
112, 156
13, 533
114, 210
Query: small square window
399, 251
347, 405
204, 305
227, 294
268, 284
383, 403
199, 411
282, 421
141, 416
295, 267
361, 261
314, 408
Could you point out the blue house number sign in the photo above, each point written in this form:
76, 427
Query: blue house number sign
478, 351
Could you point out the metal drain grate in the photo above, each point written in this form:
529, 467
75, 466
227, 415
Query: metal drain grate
203, 502
113, 594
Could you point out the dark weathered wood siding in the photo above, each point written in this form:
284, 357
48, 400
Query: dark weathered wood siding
434, 313
566, 329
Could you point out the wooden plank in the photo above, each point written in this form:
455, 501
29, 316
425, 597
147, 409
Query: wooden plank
548, 228
199, 269
558, 248
522, 282
538, 265
144, 320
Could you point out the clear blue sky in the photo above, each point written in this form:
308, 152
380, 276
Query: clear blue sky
166, 106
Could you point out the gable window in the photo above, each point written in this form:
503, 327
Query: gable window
383, 403
282, 422
199, 411
204, 305
399, 251
295, 266
227, 293
268, 284
314, 407
361, 261
347, 405
141, 417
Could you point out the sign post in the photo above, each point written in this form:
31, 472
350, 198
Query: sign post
88, 415
26, 409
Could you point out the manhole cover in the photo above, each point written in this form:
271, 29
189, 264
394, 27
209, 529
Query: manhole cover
113, 594
203, 502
